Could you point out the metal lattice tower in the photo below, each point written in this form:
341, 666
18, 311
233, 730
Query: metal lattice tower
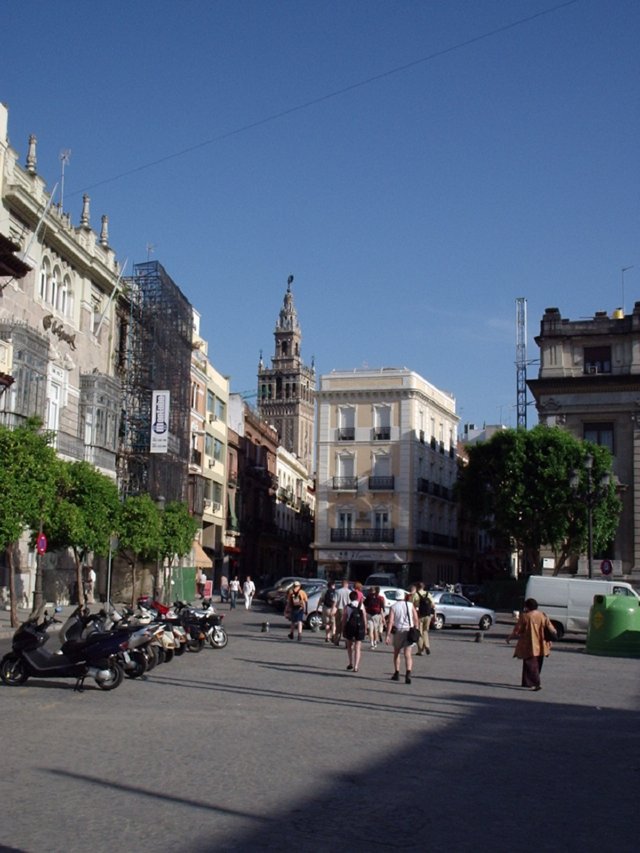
521, 362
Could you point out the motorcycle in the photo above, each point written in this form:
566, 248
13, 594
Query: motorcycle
207, 619
78, 657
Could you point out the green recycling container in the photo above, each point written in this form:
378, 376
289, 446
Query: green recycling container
614, 626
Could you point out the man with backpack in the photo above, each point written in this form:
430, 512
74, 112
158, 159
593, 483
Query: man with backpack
329, 611
296, 609
353, 628
426, 608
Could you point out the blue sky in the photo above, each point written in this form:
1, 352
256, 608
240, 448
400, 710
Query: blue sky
499, 162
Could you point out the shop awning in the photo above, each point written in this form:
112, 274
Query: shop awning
202, 561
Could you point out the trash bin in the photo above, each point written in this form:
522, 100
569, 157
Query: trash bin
614, 626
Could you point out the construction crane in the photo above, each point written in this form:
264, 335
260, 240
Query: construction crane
521, 362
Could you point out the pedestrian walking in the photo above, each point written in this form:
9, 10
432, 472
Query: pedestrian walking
201, 580
353, 629
234, 591
89, 584
342, 600
224, 589
329, 611
248, 590
295, 609
534, 632
425, 606
374, 607
402, 617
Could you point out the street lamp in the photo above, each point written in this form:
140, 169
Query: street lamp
591, 493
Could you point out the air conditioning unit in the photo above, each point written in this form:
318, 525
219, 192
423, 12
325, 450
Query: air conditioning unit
208, 503
215, 506
211, 463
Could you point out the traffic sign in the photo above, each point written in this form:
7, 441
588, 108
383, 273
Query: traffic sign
41, 544
606, 567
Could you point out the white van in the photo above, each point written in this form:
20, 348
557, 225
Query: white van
567, 601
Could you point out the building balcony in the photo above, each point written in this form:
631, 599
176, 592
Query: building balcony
196, 457
438, 540
382, 433
345, 484
346, 434
359, 534
381, 484
70, 445
423, 486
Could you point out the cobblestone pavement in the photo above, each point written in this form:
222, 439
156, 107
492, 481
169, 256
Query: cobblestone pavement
272, 745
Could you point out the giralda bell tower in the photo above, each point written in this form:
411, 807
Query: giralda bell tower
286, 390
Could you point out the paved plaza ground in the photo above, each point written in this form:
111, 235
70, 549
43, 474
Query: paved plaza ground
272, 745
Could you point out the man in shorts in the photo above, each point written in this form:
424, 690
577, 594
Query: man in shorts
296, 609
402, 616
329, 611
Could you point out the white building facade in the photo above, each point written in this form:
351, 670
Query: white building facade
386, 468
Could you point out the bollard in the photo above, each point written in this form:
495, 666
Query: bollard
479, 636
265, 627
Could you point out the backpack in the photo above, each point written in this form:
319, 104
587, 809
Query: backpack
296, 601
329, 598
425, 607
353, 630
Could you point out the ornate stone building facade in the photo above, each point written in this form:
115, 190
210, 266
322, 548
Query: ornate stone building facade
589, 384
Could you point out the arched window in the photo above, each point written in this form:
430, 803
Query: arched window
45, 272
53, 287
69, 304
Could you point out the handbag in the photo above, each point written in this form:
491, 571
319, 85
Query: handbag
413, 635
549, 632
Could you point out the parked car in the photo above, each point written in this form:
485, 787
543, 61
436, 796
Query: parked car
455, 609
382, 579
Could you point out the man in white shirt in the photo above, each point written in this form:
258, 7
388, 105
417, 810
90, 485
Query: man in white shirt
342, 602
402, 616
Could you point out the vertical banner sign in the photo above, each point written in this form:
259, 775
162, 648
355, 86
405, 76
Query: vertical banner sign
159, 422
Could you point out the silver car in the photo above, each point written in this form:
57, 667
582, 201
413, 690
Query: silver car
455, 609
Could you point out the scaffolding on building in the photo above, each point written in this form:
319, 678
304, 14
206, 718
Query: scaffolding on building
155, 355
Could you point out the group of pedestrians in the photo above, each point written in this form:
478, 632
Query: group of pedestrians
351, 615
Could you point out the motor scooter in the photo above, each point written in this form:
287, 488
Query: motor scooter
77, 657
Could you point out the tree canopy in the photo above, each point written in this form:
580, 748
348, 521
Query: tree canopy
517, 486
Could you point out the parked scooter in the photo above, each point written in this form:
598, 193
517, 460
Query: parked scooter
209, 621
78, 657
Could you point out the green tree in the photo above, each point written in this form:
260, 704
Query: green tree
178, 531
139, 533
29, 478
516, 486
85, 515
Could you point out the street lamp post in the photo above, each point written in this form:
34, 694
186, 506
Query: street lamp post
591, 493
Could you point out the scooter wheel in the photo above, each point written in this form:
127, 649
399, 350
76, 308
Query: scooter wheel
168, 655
219, 638
116, 677
13, 670
150, 653
180, 650
139, 665
195, 645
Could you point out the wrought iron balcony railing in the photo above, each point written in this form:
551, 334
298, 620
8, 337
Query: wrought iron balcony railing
345, 484
360, 534
381, 484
